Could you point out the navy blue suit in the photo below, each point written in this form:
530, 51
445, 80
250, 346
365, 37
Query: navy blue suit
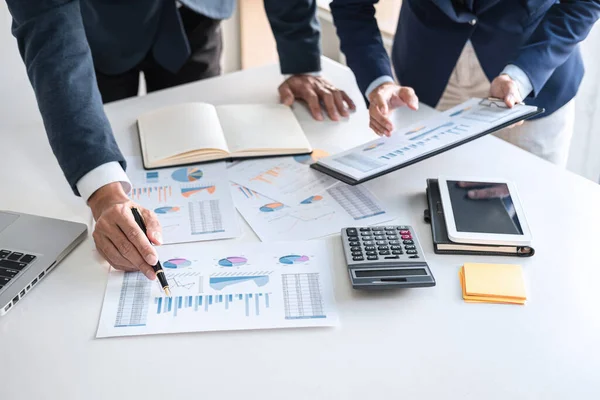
55, 37
539, 36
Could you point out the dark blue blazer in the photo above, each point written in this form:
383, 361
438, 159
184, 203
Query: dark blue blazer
52, 40
539, 36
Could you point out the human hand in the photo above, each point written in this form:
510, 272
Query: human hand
315, 90
503, 87
117, 236
383, 99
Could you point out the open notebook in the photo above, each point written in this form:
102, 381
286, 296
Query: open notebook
198, 132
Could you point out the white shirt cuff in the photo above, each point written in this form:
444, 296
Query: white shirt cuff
315, 73
521, 79
101, 176
376, 83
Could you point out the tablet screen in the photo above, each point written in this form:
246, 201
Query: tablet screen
483, 207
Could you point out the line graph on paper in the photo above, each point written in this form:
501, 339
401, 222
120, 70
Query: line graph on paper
185, 283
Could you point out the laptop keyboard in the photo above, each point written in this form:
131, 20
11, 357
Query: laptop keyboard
11, 263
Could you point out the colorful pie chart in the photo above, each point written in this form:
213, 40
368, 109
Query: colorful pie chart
312, 199
293, 259
187, 174
271, 207
232, 261
166, 210
312, 157
177, 263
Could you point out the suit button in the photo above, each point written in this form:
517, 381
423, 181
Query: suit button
473, 21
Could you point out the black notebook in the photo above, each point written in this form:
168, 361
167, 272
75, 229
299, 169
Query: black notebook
466, 122
443, 245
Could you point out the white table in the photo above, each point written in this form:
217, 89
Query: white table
409, 344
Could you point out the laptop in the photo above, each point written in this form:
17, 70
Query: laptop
30, 247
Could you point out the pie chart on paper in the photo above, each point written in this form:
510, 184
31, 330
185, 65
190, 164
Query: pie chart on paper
293, 259
187, 174
177, 263
271, 207
232, 261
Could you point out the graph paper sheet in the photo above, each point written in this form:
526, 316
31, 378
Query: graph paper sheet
192, 203
337, 207
287, 179
234, 287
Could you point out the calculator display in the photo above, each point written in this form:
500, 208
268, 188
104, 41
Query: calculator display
483, 207
391, 272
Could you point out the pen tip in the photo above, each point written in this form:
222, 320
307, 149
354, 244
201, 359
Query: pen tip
167, 292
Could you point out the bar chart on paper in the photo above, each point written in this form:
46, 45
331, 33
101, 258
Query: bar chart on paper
283, 286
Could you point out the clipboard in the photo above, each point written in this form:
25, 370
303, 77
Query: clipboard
487, 102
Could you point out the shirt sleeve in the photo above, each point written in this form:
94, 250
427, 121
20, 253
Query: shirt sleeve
100, 176
377, 82
521, 79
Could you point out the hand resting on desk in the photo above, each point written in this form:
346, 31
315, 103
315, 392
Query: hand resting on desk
315, 90
117, 236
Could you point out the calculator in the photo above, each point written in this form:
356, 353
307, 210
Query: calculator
385, 257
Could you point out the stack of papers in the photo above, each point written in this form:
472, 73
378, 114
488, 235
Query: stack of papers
492, 283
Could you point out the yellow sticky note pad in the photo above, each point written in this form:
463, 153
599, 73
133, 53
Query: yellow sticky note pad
493, 283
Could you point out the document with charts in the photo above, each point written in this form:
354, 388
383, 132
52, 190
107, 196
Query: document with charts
319, 215
459, 125
192, 203
287, 179
228, 287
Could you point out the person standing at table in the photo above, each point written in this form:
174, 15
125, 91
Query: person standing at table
78, 53
446, 51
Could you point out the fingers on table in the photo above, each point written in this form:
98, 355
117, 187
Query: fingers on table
286, 96
326, 96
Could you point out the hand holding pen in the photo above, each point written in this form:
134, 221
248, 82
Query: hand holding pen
158, 270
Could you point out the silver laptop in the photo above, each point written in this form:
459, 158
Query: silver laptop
30, 247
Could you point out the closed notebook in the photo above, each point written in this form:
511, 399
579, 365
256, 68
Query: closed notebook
443, 245
493, 283
199, 132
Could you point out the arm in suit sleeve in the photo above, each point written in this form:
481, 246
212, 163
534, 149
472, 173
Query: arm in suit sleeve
54, 48
296, 29
563, 26
360, 40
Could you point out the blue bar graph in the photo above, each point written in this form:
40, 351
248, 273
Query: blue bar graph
251, 303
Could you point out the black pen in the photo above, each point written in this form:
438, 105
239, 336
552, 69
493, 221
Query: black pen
160, 274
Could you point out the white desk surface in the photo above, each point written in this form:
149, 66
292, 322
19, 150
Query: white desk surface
409, 344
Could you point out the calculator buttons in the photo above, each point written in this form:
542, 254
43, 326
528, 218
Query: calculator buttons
391, 257
396, 247
357, 253
410, 247
397, 252
411, 252
377, 229
365, 233
365, 229
384, 253
383, 248
404, 232
369, 248
367, 238
367, 243
406, 237
379, 237
351, 231
415, 256
354, 243
359, 258
390, 228
355, 248
371, 253
380, 242
372, 258
408, 242
394, 242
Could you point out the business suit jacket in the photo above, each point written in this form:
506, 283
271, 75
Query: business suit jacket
539, 36
55, 36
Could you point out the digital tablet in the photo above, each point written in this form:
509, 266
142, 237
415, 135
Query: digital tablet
483, 211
